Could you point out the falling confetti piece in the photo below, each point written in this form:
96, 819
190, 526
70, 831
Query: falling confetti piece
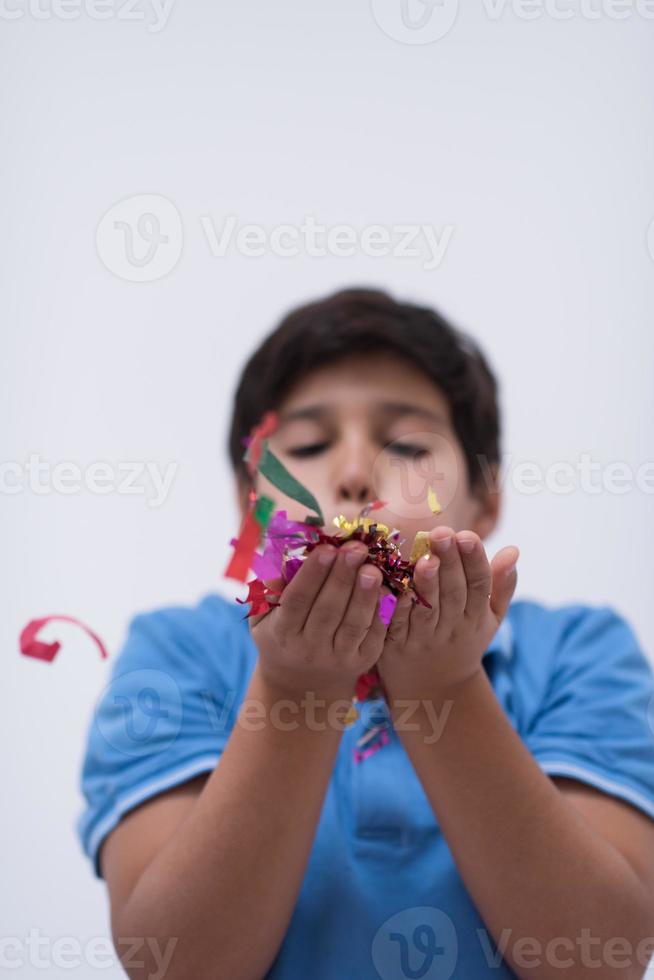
366, 684
275, 471
30, 646
432, 500
257, 438
359, 755
351, 716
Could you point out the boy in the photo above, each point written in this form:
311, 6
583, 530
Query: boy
503, 826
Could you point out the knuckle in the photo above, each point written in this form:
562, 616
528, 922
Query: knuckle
321, 617
453, 602
349, 634
454, 593
293, 602
351, 629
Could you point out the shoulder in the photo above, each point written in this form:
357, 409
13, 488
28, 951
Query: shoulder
195, 623
584, 690
208, 638
574, 654
552, 623
551, 633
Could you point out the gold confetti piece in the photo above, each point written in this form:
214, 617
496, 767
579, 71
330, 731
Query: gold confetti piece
363, 523
432, 500
420, 545
351, 716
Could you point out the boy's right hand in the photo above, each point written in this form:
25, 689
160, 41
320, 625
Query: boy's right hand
326, 629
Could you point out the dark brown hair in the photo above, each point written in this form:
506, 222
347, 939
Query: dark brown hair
355, 320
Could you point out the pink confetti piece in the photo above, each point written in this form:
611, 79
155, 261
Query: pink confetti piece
383, 739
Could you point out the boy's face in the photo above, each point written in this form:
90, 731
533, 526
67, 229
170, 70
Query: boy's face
374, 427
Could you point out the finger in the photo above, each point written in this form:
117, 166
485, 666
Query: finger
299, 595
357, 619
426, 580
398, 628
372, 645
477, 572
453, 588
328, 609
504, 579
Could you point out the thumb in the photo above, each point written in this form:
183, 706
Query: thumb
504, 579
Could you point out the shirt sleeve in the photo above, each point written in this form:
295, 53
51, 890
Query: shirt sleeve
164, 717
596, 722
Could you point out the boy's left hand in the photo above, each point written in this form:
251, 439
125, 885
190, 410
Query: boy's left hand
428, 653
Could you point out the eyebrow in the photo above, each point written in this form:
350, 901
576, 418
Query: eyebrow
395, 409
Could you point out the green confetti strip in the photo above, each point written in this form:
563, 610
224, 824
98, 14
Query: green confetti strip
275, 471
263, 511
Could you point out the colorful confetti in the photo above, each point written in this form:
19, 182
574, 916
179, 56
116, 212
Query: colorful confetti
284, 545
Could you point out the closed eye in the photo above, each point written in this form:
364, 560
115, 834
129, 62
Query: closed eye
406, 449
398, 448
303, 451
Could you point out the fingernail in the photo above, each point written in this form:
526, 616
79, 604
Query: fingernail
466, 544
326, 555
511, 568
353, 555
366, 580
442, 544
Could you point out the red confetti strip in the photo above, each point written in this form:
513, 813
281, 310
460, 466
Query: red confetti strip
366, 683
259, 434
31, 647
375, 505
244, 548
258, 592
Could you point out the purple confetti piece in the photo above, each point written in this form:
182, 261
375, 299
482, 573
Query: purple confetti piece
386, 608
291, 567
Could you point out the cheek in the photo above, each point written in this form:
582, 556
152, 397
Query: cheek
404, 483
308, 476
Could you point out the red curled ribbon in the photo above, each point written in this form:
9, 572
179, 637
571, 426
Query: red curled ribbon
31, 647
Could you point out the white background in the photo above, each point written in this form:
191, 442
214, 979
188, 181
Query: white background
531, 138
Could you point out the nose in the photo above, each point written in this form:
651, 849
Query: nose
355, 489
353, 477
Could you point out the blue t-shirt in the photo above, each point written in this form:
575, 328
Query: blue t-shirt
381, 896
